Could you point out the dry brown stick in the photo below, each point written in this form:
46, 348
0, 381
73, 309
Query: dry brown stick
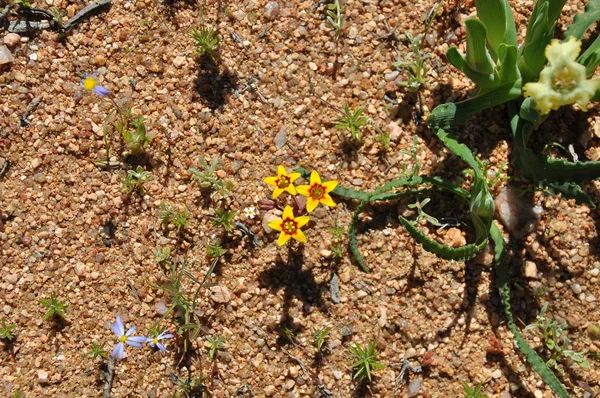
110, 371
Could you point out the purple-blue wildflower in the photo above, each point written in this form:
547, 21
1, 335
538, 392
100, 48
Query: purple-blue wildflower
90, 83
154, 341
125, 338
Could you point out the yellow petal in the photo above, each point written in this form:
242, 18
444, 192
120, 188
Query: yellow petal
299, 236
288, 213
281, 171
283, 238
302, 221
327, 201
271, 181
276, 192
311, 204
314, 178
330, 186
303, 190
275, 225
290, 189
294, 176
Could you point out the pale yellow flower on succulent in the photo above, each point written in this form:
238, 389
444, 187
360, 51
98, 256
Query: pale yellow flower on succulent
282, 182
289, 226
563, 81
317, 192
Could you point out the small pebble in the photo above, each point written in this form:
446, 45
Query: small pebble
414, 387
6, 56
576, 288
11, 39
272, 10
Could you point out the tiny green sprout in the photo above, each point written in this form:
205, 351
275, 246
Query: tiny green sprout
18, 394
137, 139
365, 361
384, 139
169, 214
162, 255
57, 15
55, 307
337, 239
215, 343
96, 351
413, 153
6, 331
421, 213
353, 121
414, 64
556, 342
319, 337
206, 39
134, 180
214, 249
335, 17
207, 178
473, 392
224, 219
181, 218
22, 3
191, 387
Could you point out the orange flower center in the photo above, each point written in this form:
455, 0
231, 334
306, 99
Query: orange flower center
289, 226
317, 191
283, 181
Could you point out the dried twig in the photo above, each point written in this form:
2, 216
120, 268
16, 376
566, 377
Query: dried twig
110, 371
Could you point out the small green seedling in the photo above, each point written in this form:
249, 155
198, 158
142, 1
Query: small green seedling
319, 337
57, 15
96, 351
383, 137
137, 139
556, 342
206, 39
414, 64
224, 219
191, 387
365, 361
134, 180
353, 121
22, 3
168, 214
337, 239
335, 17
215, 343
162, 255
421, 213
6, 332
214, 249
413, 153
207, 178
56, 308
473, 392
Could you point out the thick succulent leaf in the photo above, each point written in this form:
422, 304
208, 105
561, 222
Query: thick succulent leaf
539, 33
583, 21
507, 63
542, 168
591, 57
462, 253
452, 114
478, 57
353, 240
503, 280
499, 23
483, 80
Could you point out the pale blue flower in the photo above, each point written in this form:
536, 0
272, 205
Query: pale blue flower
154, 341
124, 338
90, 83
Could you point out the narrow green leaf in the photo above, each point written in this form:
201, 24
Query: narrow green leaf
507, 64
483, 80
478, 57
591, 57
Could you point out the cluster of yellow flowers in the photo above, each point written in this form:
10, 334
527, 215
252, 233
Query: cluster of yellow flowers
316, 192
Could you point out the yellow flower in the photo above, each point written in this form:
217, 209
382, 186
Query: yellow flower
289, 226
282, 182
317, 192
90, 83
563, 80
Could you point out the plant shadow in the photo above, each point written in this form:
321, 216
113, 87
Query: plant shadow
213, 86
